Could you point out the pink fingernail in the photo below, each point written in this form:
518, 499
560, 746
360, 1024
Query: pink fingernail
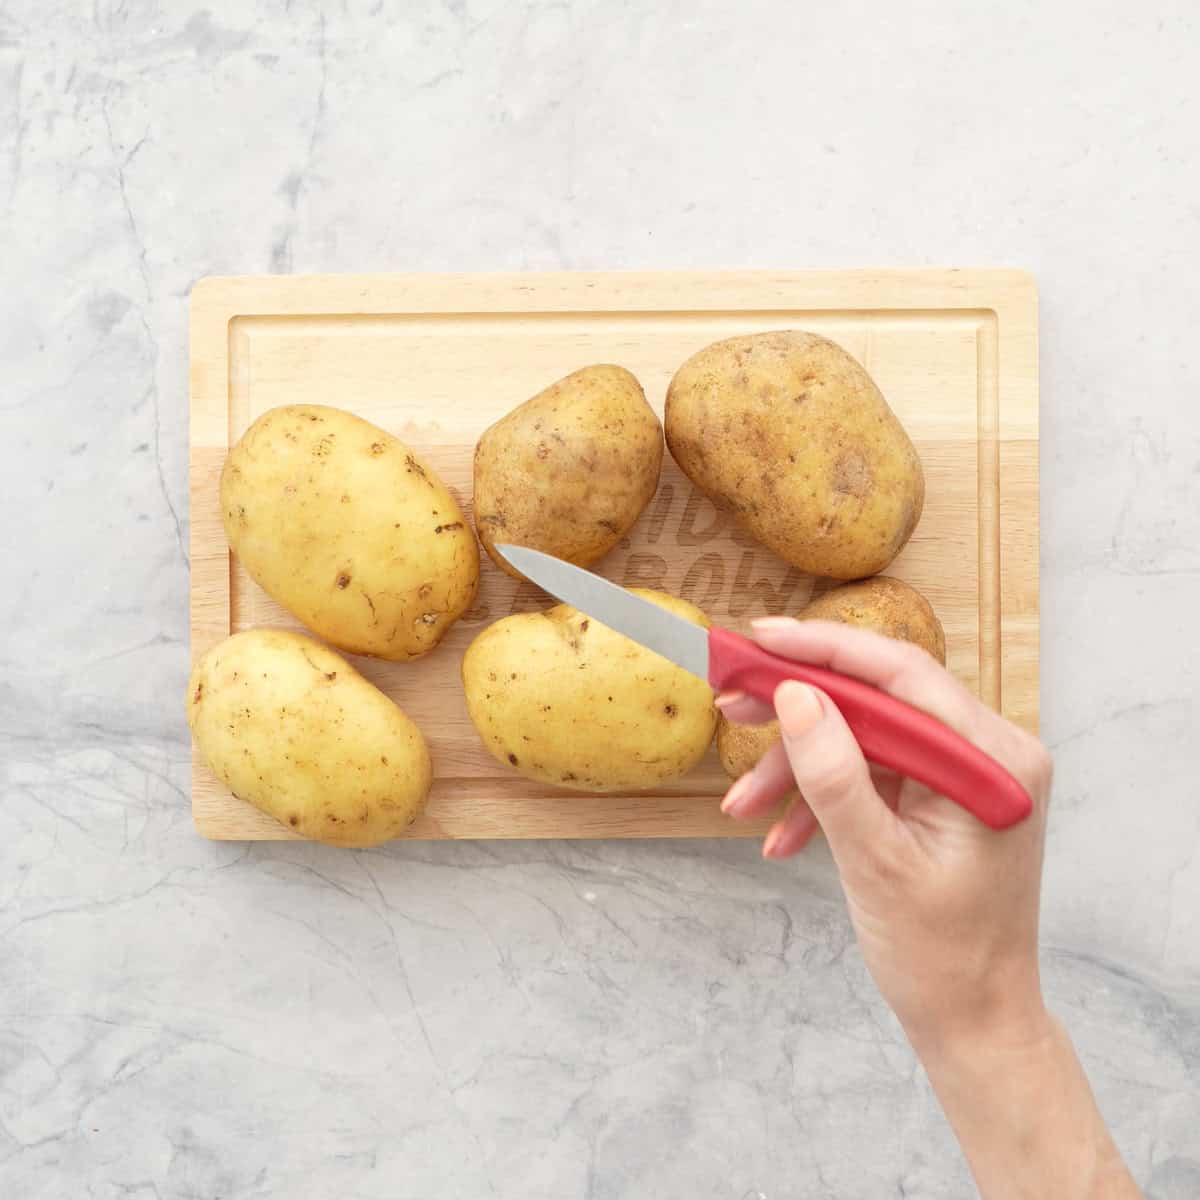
769, 624
735, 796
798, 707
728, 699
771, 842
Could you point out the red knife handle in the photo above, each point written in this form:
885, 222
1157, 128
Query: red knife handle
891, 733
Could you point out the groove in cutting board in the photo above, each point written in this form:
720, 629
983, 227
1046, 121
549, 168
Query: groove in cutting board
435, 359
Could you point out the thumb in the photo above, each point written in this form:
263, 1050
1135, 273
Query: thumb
831, 771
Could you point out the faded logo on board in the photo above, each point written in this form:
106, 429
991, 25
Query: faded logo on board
683, 544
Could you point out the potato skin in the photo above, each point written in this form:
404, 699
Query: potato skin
569, 471
349, 530
294, 729
790, 432
882, 605
564, 700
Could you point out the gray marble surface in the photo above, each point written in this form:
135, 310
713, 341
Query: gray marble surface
183, 1019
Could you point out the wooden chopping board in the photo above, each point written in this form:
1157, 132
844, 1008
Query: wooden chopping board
435, 359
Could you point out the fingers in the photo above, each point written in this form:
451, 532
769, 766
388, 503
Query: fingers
911, 675
860, 652
899, 668
743, 709
908, 673
831, 773
792, 833
762, 787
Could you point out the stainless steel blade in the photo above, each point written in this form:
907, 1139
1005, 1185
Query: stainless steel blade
657, 630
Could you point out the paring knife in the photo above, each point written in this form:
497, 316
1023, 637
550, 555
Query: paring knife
891, 733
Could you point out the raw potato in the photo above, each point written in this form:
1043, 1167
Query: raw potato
294, 729
883, 605
570, 471
564, 700
349, 530
790, 432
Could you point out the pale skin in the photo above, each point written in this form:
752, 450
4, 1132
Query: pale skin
945, 910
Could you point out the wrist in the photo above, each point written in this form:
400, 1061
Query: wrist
1001, 1014
1022, 1035
1020, 1105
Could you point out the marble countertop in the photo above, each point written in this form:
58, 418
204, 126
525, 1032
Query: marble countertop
186, 1019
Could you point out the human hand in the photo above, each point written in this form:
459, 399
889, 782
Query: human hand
945, 909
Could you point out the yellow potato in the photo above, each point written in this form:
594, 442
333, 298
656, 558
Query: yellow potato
570, 471
564, 700
293, 728
349, 530
883, 605
790, 432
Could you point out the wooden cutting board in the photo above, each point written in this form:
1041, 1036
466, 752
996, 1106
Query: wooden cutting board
435, 359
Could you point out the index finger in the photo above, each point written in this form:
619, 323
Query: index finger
910, 674
898, 668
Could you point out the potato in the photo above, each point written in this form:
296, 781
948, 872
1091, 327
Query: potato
882, 605
570, 471
788, 431
349, 530
293, 728
564, 700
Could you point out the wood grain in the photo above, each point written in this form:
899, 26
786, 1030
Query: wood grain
436, 359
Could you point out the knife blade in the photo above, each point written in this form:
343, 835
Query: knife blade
681, 641
890, 732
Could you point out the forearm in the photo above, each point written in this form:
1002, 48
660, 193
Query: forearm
1025, 1117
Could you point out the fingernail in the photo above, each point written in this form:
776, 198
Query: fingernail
784, 845
798, 707
808, 837
735, 797
771, 842
728, 699
768, 624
